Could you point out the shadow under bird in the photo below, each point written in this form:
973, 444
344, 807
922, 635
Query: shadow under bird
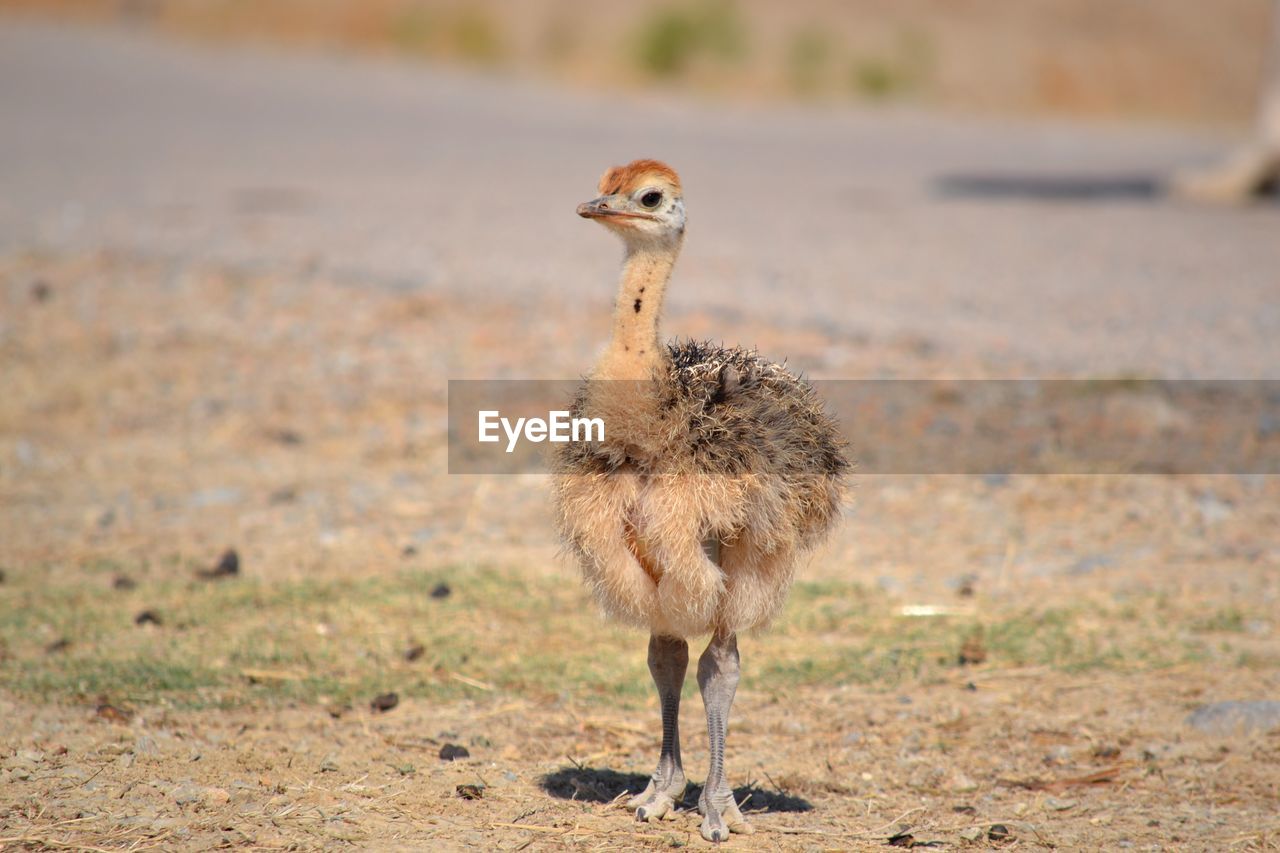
718, 471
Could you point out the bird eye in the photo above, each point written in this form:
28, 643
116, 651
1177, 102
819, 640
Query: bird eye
651, 199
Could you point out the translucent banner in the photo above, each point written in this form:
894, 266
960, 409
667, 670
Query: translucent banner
1119, 426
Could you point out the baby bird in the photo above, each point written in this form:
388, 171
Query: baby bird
717, 472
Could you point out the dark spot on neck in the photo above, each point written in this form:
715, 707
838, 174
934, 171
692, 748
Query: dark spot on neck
637, 306
626, 348
642, 290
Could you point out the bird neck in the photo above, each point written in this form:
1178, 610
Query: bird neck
635, 351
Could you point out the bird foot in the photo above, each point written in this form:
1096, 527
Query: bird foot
722, 817
658, 799
658, 807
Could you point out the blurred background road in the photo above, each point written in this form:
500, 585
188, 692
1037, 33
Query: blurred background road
1045, 242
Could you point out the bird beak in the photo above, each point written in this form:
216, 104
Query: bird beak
607, 207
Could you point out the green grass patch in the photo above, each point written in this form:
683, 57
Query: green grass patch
842, 633
903, 70
1221, 620
244, 641
676, 37
471, 34
342, 640
808, 59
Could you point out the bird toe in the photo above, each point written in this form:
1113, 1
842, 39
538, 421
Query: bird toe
715, 831
655, 810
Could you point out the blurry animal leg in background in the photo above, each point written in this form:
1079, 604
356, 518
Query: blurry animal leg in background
1254, 168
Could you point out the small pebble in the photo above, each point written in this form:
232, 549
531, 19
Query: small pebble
441, 591
282, 496
228, 566
1060, 754
384, 702
215, 796
29, 757
288, 437
453, 752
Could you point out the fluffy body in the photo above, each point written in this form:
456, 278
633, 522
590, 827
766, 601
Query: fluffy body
723, 454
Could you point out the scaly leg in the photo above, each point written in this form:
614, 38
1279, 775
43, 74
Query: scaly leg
668, 660
718, 679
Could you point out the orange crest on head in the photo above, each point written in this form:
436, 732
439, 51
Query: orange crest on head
628, 178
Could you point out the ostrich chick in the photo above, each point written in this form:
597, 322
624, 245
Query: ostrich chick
717, 471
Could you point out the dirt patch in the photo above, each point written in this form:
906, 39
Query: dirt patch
154, 415
1072, 762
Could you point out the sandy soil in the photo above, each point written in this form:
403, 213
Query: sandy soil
1064, 762
152, 413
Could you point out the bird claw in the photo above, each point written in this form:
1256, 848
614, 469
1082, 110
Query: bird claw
640, 799
655, 810
716, 829
719, 821
656, 800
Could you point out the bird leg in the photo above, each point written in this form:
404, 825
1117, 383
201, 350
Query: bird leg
718, 680
668, 661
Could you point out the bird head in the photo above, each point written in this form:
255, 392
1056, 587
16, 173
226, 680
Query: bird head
640, 202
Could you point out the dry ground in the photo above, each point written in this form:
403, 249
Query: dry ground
153, 414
